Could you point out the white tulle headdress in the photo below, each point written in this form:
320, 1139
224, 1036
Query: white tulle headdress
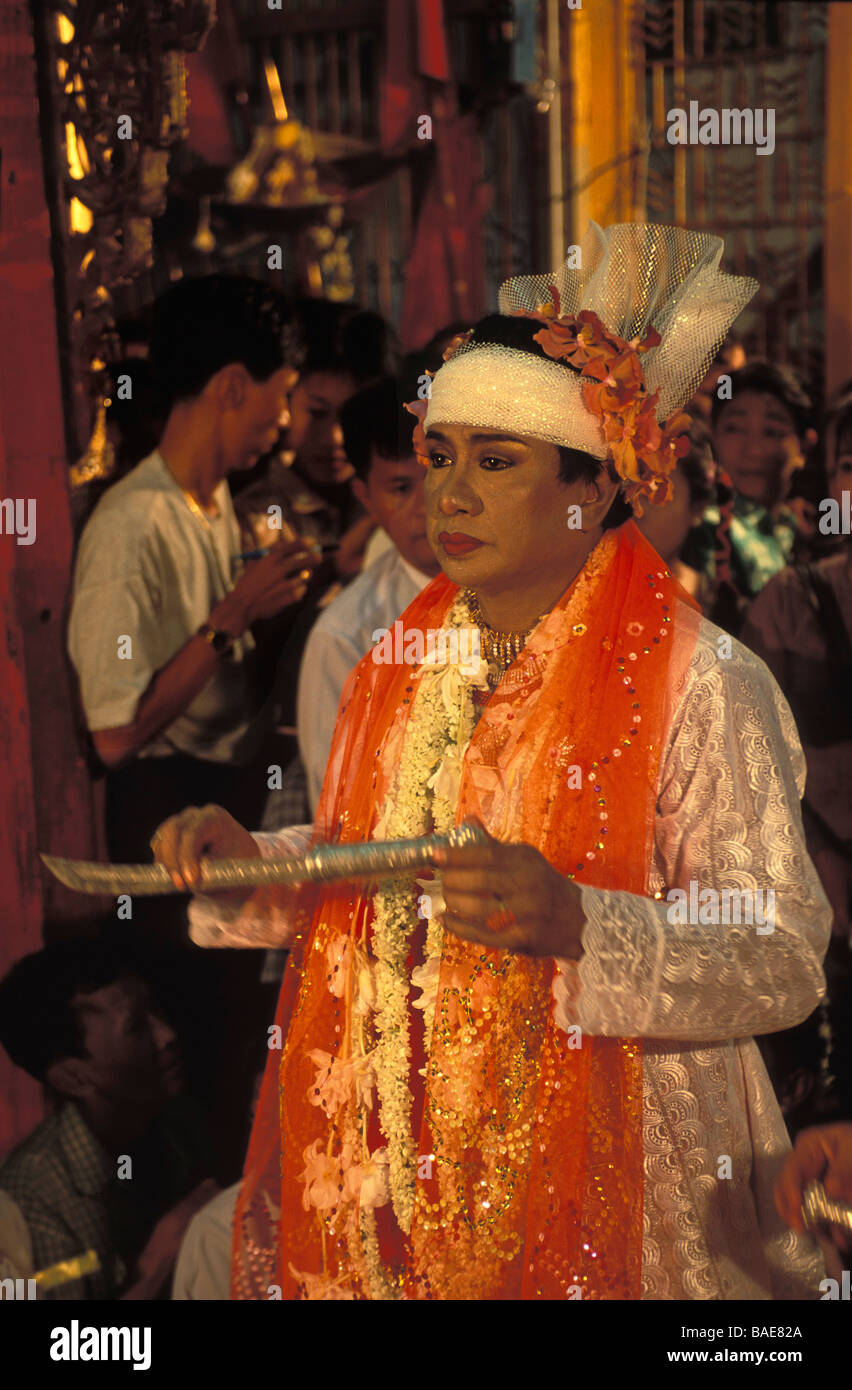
628, 329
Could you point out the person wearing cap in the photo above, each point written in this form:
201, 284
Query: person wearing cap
533, 1076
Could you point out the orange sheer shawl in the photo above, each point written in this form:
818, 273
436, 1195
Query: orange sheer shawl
530, 1176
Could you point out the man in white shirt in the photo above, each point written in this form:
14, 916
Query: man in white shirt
160, 636
161, 615
388, 482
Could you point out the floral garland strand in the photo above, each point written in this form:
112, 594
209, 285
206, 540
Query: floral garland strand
439, 729
444, 785
393, 924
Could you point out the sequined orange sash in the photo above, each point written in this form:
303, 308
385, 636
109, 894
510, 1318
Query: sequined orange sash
531, 1174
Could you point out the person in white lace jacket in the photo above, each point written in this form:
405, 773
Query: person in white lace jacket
729, 779
730, 783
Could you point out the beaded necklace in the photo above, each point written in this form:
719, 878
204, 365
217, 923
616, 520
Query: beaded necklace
499, 648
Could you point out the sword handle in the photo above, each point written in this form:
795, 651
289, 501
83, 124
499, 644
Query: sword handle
818, 1209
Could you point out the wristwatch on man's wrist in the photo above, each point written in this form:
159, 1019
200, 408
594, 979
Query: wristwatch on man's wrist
220, 640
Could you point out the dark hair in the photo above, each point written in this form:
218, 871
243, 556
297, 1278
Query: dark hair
202, 325
575, 464
343, 338
38, 1026
767, 379
375, 420
135, 418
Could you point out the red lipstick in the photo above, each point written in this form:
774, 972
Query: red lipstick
458, 543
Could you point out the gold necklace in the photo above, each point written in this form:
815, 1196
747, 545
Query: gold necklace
197, 510
499, 648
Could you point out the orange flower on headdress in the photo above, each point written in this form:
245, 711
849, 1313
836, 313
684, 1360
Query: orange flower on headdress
616, 382
675, 442
418, 438
644, 452
574, 340
553, 308
633, 436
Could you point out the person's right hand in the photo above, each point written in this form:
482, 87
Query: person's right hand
201, 832
161, 1249
277, 581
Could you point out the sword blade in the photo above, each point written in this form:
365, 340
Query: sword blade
322, 864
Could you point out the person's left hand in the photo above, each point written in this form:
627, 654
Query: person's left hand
509, 898
822, 1153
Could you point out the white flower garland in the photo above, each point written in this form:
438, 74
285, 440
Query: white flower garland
436, 739
423, 797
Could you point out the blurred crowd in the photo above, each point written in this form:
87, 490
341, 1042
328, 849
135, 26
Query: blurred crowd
264, 518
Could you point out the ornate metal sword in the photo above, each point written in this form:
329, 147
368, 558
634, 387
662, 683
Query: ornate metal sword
324, 863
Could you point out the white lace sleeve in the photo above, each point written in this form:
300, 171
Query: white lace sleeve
265, 919
728, 818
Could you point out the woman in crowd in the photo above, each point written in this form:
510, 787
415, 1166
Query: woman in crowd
801, 625
760, 426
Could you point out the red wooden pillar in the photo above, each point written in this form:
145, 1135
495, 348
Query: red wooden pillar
45, 796
838, 200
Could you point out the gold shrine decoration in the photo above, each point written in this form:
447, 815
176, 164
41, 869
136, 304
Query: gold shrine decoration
279, 171
118, 85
